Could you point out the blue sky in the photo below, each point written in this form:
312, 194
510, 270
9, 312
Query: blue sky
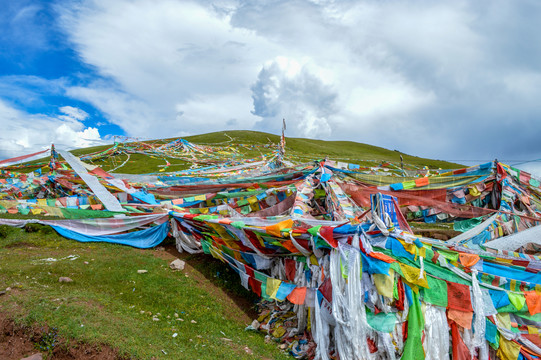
453, 80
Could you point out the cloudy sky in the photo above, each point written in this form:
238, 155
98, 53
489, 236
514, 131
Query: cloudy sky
453, 80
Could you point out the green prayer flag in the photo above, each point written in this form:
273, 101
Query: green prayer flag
413, 348
314, 230
449, 255
436, 294
238, 224
381, 322
518, 300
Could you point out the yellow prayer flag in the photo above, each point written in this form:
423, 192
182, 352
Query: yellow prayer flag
272, 287
276, 229
504, 319
474, 191
384, 283
411, 275
508, 350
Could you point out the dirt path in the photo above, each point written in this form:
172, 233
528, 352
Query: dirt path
18, 341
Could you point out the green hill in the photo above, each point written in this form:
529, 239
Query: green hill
297, 149
198, 313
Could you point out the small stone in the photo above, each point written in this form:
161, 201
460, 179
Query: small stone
64, 279
177, 264
37, 356
175, 335
8, 289
2, 293
160, 248
193, 322
142, 271
155, 319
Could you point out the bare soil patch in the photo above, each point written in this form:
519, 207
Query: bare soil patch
19, 341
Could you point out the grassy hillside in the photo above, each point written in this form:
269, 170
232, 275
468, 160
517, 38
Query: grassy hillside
108, 302
297, 149
197, 313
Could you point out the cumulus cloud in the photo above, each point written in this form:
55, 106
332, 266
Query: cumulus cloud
285, 88
165, 59
454, 80
24, 133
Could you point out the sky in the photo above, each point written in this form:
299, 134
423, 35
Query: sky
450, 80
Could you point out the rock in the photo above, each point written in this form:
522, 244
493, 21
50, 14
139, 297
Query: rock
177, 264
142, 271
37, 356
64, 279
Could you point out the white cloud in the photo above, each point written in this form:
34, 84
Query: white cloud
287, 89
163, 56
434, 79
24, 133
73, 113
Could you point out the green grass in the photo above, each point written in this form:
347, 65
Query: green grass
297, 149
103, 304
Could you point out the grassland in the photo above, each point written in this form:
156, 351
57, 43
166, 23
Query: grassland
297, 149
110, 303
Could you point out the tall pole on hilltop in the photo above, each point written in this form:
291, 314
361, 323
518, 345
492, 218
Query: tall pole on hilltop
52, 163
282, 150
